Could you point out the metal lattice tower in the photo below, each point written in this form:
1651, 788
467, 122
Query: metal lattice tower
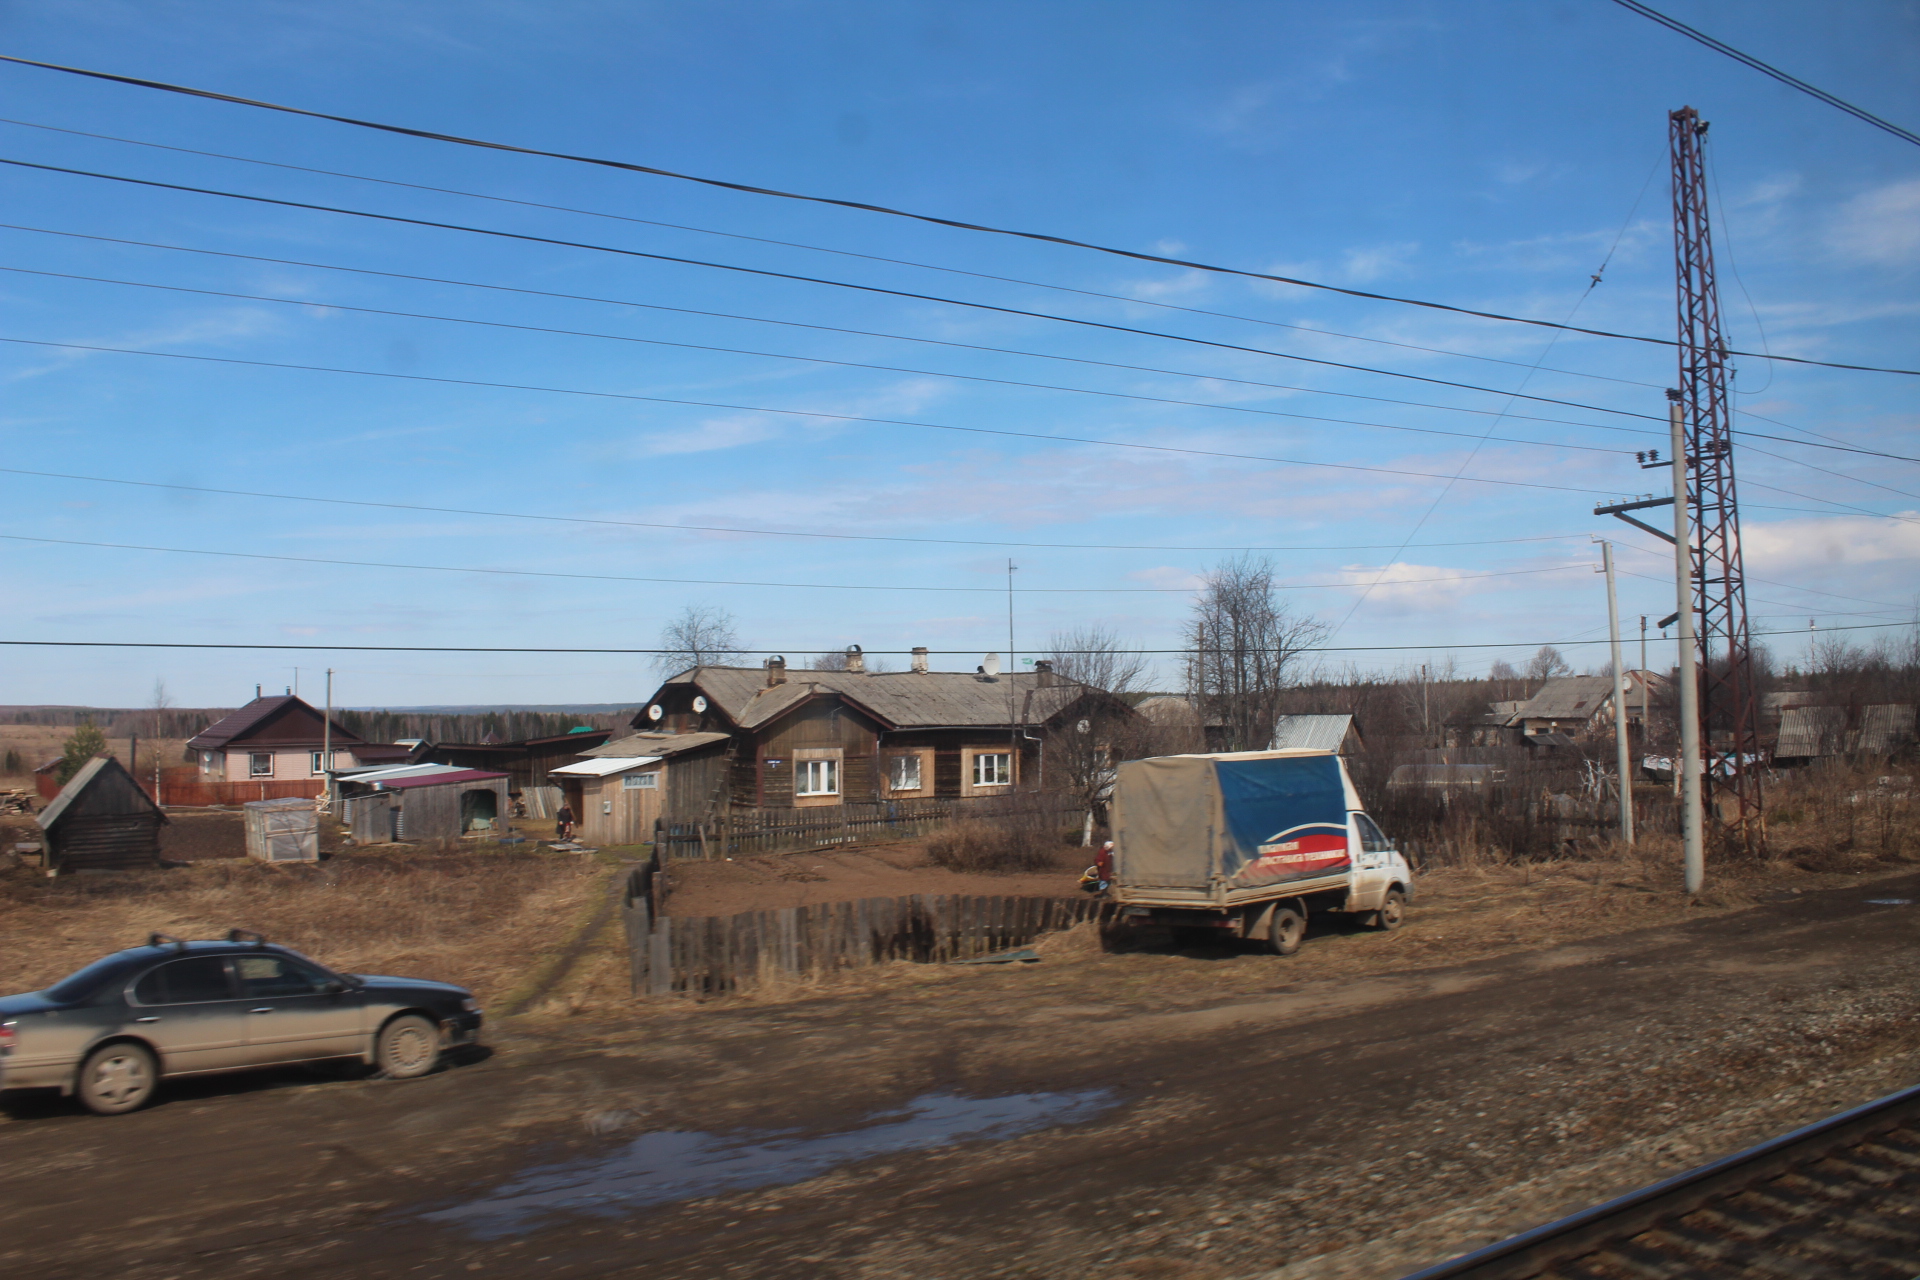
1729, 702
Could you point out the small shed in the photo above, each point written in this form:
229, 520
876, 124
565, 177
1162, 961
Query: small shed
285, 830
617, 798
424, 803
102, 821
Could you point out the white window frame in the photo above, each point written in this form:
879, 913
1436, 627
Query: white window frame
894, 769
253, 764
640, 781
1003, 767
805, 773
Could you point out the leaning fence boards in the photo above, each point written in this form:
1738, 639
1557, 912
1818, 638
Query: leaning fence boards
716, 955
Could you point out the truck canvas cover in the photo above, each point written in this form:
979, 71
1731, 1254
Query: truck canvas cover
1246, 818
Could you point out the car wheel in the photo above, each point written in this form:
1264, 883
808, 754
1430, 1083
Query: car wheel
409, 1046
1392, 913
1286, 930
117, 1079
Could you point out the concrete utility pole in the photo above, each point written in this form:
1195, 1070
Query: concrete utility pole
1689, 709
326, 743
1623, 755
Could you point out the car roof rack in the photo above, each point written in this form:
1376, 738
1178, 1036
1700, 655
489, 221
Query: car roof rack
166, 940
247, 935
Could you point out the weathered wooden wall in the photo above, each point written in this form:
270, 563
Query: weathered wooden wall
825, 723
718, 955
110, 824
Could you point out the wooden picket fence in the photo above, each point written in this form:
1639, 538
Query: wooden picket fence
746, 832
719, 955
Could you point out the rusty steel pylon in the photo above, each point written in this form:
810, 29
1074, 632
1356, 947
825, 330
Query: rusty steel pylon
1729, 702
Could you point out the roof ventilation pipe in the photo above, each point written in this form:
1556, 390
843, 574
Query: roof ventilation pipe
856, 660
920, 659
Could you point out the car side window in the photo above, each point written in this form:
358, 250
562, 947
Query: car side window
1371, 838
264, 976
193, 981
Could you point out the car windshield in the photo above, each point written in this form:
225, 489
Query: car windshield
79, 985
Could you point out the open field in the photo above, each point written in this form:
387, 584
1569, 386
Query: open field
39, 743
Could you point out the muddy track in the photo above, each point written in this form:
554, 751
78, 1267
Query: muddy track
1248, 1134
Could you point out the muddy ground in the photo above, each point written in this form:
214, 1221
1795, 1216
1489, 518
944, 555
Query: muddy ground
1376, 1102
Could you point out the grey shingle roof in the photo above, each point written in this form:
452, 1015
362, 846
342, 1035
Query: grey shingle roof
655, 744
1568, 698
903, 699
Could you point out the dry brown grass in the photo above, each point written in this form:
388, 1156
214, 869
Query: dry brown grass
985, 846
483, 920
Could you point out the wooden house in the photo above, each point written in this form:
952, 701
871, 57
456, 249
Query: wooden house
102, 821
813, 739
620, 789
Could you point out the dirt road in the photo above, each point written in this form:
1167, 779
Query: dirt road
1355, 1126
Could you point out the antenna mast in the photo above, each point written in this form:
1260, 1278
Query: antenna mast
1729, 702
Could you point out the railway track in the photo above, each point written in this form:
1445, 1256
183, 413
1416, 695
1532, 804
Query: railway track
1839, 1198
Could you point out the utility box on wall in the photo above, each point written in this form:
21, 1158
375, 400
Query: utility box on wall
283, 830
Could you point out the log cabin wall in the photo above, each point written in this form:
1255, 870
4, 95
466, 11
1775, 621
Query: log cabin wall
813, 731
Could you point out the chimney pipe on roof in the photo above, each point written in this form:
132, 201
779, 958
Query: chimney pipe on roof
776, 671
856, 660
920, 659
1043, 673
256, 693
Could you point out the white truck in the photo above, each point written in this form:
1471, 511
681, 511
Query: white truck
1247, 843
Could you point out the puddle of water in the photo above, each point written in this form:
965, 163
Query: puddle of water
1889, 902
658, 1168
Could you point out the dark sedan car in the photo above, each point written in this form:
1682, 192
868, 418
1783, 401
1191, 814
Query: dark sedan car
112, 1031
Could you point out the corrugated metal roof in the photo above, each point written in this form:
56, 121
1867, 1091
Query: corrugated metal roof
603, 766
237, 724
442, 779
394, 771
656, 744
1315, 732
901, 699
1810, 732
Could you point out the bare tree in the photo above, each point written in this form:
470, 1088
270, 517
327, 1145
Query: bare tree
161, 703
1097, 656
1244, 647
1502, 670
1546, 664
702, 636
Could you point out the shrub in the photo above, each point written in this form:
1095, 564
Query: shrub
976, 844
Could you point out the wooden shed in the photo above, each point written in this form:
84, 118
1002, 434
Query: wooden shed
616, 799
102, 821
440, 805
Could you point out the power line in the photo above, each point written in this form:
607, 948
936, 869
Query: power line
782, 355
815, 248
800, 413
804, 279
963, 346
825, 328
1674, 24
422, 648
725, 582
767, 533
870, 208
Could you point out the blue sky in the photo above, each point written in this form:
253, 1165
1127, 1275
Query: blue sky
1488, 155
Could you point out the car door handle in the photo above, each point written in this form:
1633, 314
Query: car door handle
262, 1009
154, 1019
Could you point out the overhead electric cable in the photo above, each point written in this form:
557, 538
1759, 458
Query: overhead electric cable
1674, 24
766, 533
805, 279
862, 206
782, 355
826, 328
727, 582
937, 342
443, 648
815, 248
800, 413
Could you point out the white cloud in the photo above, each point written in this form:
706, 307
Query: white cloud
1881, 228
1826, 543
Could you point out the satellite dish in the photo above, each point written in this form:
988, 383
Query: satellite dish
1084, 726
654, 712
992, 664
699, 705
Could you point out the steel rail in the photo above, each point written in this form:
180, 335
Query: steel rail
1641, 1233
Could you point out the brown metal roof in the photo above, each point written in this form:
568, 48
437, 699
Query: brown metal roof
252, 719
899, 699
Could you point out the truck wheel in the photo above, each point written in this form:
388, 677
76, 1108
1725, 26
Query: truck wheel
1286, 929
1392, 913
